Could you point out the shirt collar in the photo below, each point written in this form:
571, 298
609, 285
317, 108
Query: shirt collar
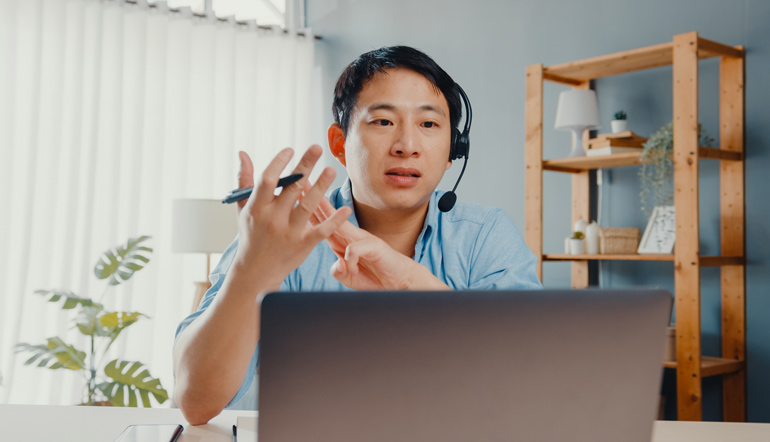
431, 220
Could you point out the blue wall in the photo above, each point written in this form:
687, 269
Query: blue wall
486, 45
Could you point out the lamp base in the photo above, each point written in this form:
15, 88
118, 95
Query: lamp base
577, 143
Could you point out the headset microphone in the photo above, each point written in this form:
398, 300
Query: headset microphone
461, 145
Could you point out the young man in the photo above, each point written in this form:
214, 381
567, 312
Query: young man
394, 111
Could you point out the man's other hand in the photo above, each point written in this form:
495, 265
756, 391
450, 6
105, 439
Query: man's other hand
366, 262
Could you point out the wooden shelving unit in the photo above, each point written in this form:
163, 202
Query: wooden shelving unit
683, 53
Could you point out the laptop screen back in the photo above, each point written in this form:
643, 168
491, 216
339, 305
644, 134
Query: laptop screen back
461, 366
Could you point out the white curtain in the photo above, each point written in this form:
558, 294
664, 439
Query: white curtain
109, 111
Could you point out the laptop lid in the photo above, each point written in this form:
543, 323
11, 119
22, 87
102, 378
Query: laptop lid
461, 366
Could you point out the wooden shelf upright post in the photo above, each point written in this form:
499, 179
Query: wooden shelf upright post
581, 207
733, 237
533, 158
687, 250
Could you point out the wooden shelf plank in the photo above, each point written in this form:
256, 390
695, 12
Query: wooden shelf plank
630, 257
705, 261
562, 80
713, 153
614, 64
711, 366
709, 48
717, 261
630, 61
580, 164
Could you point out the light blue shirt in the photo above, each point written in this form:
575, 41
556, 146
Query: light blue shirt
471, 247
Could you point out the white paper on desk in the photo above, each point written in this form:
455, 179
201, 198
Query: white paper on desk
247, 428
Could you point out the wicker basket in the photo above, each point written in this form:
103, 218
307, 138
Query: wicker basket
619, 240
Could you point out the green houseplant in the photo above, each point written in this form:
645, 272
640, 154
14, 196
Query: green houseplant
655, 175
619, 123
121, 383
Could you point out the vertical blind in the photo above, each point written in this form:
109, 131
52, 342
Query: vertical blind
109, 111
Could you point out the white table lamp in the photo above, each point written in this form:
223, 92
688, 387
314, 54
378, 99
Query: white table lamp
578, 110
202, 226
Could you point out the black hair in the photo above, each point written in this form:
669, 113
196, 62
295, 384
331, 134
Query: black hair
365, 67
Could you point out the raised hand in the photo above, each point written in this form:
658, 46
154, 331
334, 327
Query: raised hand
366, 262
274, 234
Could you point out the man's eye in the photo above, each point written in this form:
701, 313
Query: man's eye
429, 124
382, 122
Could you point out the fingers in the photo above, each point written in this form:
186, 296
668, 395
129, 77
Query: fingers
327, 228
290, 195
245, 175
266, 187
324, 210
312, 199
246, 172
366, 248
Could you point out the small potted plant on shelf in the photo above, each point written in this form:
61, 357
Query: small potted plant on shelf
657, 188
121, 383
577, 244
620, 123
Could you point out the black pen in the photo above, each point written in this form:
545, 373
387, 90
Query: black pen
235, 433
242, 194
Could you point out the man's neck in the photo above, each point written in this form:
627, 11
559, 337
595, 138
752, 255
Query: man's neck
398, 228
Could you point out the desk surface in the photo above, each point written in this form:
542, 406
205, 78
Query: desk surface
104, 424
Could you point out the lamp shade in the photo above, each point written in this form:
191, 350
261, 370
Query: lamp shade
577, 109
202, 226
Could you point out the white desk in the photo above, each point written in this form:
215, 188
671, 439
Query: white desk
41, 423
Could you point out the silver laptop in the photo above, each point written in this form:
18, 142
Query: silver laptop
461, 366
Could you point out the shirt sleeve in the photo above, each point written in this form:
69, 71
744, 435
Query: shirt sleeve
217, 277
501, 259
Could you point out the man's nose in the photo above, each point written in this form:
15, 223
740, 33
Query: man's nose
406, 143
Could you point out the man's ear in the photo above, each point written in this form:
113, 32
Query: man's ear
337, 142
448, 165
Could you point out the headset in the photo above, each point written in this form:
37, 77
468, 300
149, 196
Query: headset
461, 146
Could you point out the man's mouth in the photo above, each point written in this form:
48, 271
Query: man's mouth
404, 172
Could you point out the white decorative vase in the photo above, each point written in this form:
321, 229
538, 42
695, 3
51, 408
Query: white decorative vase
618, 125
592, 238
577, 246
580, 226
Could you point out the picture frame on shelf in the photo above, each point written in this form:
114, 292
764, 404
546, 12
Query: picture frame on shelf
660, 233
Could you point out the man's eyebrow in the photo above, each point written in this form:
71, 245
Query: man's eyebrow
381, 106
390, 107
432, 108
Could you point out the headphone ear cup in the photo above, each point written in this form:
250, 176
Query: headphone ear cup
454, 146
462, 145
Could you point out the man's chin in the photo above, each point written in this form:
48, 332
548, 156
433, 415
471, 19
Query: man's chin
406, 204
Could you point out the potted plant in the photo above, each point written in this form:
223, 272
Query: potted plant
121, 383
658, 166
620, 123
577, 244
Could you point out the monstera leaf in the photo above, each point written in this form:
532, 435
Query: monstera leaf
96, 322
120, 264
128, 386
56, 354
71, 300
113, 323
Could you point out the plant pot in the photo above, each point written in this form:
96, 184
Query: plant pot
97, 404
577, 246
618, 125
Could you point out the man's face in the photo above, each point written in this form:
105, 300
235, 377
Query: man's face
397, 146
